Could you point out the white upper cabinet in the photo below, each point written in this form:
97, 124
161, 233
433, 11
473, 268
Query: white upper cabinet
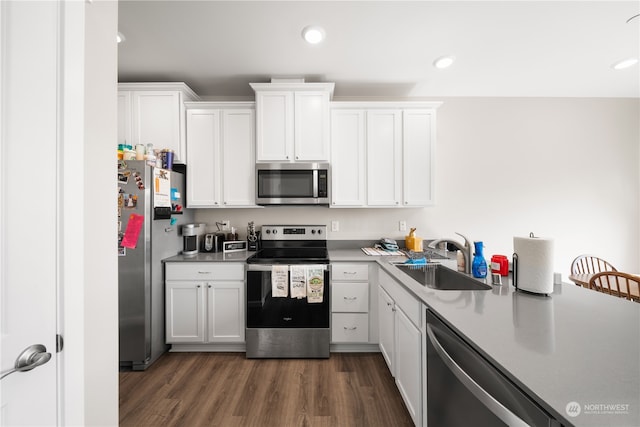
418, 152
382, 154
154, 113
292, 121
384, 157
220, 155
348, 170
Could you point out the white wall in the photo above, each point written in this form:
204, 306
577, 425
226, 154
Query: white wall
100, 219
565, 168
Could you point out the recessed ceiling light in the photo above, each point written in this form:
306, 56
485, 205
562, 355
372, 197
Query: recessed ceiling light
625, 63
120, 37
313, 34
444, 62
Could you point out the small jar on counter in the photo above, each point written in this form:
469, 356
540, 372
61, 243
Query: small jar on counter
500, 265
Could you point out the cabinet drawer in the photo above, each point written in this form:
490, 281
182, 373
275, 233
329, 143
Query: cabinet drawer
204, 271
349, 327
350, 297
351, 272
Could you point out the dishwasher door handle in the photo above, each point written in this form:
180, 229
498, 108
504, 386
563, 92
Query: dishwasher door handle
497, 408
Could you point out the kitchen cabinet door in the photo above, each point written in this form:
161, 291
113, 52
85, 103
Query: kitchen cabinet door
156, 120
184, 316
220, 155
225, 311
311, 126
238, 158
274, 126
384, 158
418, 157
203, 155
348, 158
386, 328
292, 121
408, 368
154, 113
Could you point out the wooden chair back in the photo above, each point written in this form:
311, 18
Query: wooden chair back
616, 283
589, 264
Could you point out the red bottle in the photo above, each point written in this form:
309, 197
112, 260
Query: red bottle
500, 264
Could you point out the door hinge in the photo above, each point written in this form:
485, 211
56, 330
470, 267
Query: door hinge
59, 343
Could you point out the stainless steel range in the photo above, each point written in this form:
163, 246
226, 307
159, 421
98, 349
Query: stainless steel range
287, 289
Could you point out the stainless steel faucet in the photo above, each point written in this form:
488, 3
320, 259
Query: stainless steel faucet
465, 249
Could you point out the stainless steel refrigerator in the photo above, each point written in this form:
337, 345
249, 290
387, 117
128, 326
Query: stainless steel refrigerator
150, 214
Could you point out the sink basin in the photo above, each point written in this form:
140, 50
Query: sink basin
444, 278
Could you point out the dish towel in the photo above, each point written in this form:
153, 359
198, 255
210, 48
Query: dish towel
315, 283
298, 281
280, 281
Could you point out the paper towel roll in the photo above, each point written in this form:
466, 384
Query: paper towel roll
535, 264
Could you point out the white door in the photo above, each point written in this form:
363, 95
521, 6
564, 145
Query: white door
29, 218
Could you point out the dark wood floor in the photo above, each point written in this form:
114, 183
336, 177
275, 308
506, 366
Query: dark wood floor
226, 389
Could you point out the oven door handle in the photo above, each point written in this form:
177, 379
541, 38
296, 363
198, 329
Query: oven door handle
268, 267
498, 409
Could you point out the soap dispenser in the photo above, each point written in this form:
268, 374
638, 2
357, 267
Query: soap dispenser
479, 264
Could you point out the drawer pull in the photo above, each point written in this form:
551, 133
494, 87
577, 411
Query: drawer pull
352, 328
204, 272
350, 298
350, 272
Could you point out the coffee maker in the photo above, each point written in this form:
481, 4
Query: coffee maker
191, 238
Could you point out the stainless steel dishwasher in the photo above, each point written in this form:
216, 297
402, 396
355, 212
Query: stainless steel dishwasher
464, 389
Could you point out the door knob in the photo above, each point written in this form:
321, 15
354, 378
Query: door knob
31, 357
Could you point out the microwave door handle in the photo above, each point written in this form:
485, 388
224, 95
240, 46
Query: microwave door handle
315, 183
498, 409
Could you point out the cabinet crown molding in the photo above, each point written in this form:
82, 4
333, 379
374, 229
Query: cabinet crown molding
219, 104
374, 105
298, 87
179, 86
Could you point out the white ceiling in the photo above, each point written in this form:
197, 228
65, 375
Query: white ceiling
386, 48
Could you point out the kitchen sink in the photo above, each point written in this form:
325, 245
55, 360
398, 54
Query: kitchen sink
442, 278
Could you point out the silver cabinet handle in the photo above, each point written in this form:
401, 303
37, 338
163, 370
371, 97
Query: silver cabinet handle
30, 358
349, 272
350, 298
204, 272
498, 409
352, 328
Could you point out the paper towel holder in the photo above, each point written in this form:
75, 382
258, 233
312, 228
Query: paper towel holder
515, 272
515, 277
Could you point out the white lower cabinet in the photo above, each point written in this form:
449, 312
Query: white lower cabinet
350, 303
401, 336
204, 303
353, 304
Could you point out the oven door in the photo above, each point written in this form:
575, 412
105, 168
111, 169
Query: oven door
265, 311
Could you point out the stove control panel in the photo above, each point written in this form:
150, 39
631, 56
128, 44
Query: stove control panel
294, 232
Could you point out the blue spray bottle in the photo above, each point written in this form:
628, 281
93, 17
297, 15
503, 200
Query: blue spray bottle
479, 265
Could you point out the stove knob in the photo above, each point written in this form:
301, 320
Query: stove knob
275, 231
319, 231
267, 231
313, 231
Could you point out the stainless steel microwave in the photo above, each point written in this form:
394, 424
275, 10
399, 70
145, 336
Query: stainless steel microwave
293, 184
